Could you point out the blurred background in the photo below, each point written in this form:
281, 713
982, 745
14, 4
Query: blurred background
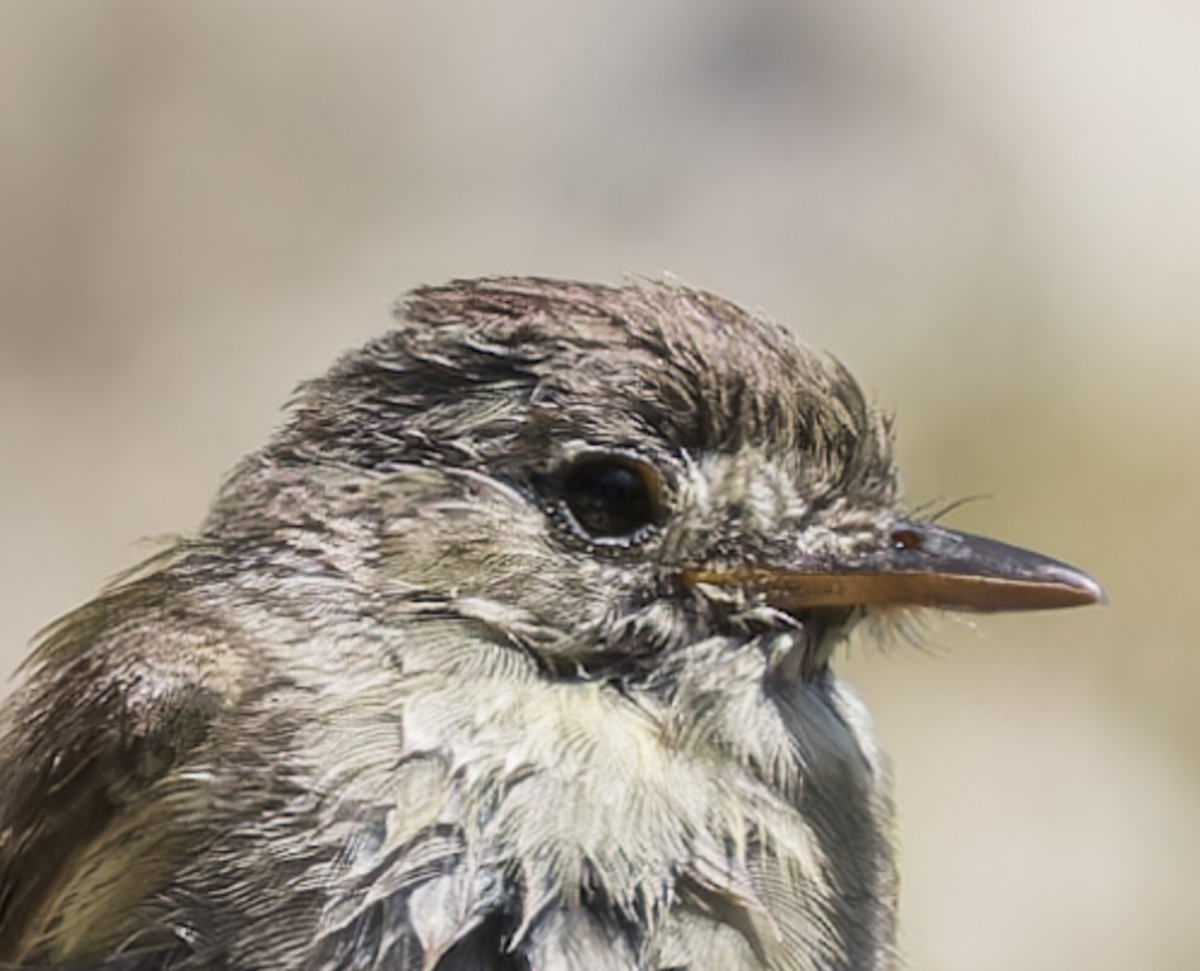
990, 212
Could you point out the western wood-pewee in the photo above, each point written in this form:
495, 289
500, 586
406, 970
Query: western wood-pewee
509, 651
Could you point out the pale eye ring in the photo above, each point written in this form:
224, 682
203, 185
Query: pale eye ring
612, 497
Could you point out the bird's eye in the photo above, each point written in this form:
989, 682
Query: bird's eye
612, 497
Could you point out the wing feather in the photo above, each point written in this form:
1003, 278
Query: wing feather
111, 705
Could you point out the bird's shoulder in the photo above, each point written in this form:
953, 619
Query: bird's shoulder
116, 697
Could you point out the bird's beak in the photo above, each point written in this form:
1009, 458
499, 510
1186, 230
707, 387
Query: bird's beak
918, 564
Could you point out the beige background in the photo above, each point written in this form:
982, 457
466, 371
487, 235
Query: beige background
990, 211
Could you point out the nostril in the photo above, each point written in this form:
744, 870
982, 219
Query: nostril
906, 539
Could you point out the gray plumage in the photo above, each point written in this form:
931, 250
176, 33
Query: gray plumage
468, 668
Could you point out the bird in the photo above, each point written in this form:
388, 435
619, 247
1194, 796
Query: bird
511, 649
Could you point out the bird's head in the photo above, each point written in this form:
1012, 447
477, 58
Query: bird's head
605, 474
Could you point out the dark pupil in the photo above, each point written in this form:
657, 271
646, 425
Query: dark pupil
608, 498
